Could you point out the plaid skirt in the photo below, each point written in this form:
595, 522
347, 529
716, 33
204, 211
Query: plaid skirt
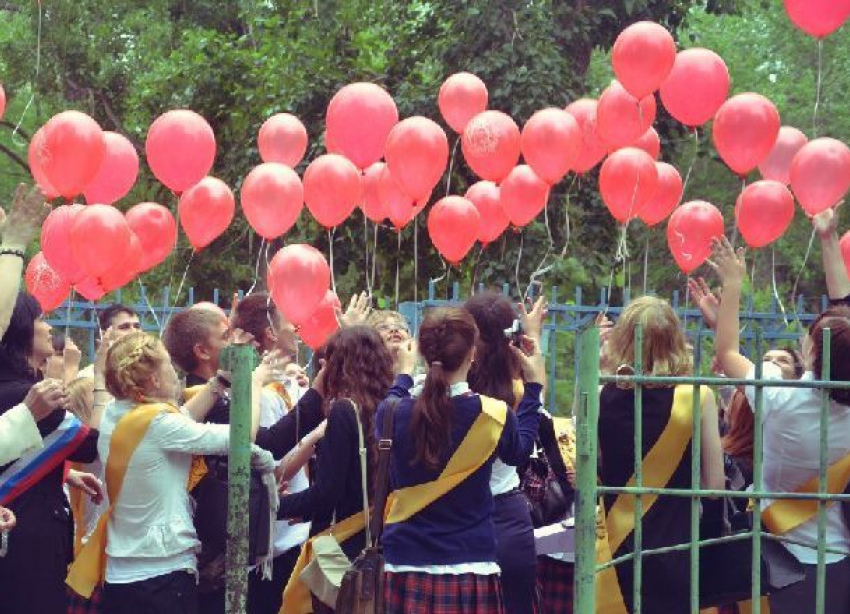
555, 585
423, 593
77, 604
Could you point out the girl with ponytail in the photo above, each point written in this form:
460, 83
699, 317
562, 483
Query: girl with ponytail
439, 539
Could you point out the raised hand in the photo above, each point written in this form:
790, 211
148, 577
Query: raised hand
531, 360
706, 300
405, 358
826, 222
532, 321
24, 218
730, 266
357, 311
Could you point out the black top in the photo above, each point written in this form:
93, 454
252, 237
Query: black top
337, 483
666, 577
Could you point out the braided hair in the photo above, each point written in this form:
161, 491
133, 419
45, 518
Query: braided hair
130, 364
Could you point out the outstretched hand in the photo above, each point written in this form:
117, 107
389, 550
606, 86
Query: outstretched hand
730, 265
705, 299
826, 222
25, 217
405, 358
357, 311
531, 360
532, 321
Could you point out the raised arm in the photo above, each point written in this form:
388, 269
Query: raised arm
518, 437
732, 270
825, 225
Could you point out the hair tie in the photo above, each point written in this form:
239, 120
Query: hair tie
436, 363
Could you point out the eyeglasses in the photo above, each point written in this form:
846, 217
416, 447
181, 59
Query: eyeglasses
390, 328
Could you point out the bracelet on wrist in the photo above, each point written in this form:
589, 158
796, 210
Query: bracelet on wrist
12, 251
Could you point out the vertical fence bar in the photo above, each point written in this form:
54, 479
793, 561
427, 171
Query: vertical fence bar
820, 600
586, 445
758, 461
637, 569
696, 480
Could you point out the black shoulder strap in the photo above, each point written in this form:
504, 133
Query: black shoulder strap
382, 484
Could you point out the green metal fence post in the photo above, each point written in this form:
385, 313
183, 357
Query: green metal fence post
586, 445
240, 361
826, 368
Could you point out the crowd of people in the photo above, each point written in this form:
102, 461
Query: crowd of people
114, 477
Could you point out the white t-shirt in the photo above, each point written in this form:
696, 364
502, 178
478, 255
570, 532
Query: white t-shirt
791, 419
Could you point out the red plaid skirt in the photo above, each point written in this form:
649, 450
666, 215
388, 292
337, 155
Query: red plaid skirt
555, 585
78, 604
423, 593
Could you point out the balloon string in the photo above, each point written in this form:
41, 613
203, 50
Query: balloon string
773, 283
374, 255
148, 302
397, 267
818, 89
331, 232
623, 244
687, 302
451, 165
646, 261
416, 259
481, 248
800, 274
735, 214
257, 267
34, 85
693, 161
518, 262
68, 312
366, 253
179, 290
541, 270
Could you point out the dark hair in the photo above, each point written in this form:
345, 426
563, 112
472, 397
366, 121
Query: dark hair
797, 357
186, 329
254, 314
359, 367
495, 367
837, 320
105, 317
446, 336
16, 344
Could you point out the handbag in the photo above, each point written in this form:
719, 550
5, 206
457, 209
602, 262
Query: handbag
362, 590
323, 575
549, 495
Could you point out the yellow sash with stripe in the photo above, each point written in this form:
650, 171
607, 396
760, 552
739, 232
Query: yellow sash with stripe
88, 569
477, 447
280, 390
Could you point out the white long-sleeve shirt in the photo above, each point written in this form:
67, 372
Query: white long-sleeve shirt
151, 532
18, 434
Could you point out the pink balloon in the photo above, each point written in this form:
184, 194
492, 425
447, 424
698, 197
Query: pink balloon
650, 143
462, 96
359, 119
156, 230
126, 270
73, 149
745, 130
48, 287
283, 139
491, 145
319, 327
820, 174
117, 173
696, 87
551, 143
642, 57
180, 148
399, 205
486, 197
818, 18
35, 156
845, 250
2, 101
56, 242
417, 152
372, 205
667, 195
690, 231
627, 180
332, 189
593, 148
620, 118
206, 210
523, 195
272, 198
90, 289
99, 238
777, 164
764, 212
298, 278
453, 224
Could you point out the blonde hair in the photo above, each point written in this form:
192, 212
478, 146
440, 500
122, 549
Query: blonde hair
130, 364
665, 349
79, 396
379, 316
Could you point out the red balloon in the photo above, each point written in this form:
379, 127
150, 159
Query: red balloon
332, 189
696, 87
486, 196
90, 289
764, 211
125, 271
372, 205
399, 205
180, 148
56, 242
35, 157
359, 119
491, 145
745, 130
272, 198
2, 101
206, 210
117, 173
819, 18
777, 164
462, 96
620, 118
650, 143
593, 148
283, 139
100, 237
523, 195
690, 231
453, 224
551, 143
642, 57
627, 180
298, 278
73, 149
417, 152
48, 287
845, 250
319, 327
820, 174
156, 230
667, 195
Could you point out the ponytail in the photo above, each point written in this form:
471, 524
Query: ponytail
432, 415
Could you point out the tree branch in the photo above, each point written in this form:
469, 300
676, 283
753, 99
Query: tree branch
15, 157
11, 126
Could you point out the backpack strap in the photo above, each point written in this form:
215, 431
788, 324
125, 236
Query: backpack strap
382, 484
